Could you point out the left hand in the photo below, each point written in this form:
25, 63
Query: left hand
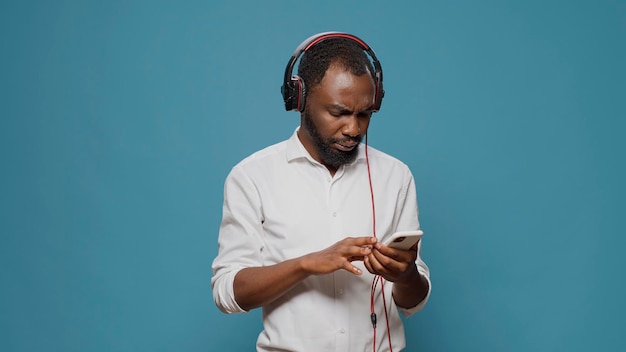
393, 265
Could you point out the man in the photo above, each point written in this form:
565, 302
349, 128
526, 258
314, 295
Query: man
298, 237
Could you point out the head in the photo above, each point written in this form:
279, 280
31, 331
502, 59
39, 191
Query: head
340, 91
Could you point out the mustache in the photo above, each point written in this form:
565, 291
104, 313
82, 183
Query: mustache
347, 139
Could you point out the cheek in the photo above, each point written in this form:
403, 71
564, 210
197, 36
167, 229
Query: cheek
329, 126
363, 125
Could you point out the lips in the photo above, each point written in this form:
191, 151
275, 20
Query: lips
345, 147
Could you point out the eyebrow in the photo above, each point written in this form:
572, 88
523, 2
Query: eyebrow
344, 109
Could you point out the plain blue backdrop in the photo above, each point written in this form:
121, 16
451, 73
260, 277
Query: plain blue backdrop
121, 119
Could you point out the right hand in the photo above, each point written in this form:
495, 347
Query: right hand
339, 256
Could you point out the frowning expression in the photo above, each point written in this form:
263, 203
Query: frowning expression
336, 116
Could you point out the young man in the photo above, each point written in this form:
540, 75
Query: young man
297, 236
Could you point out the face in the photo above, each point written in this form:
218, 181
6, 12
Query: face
336, 117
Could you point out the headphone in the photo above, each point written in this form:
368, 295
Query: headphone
293, 89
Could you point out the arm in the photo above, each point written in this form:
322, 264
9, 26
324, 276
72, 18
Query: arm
405, 269
257, 286
410, 293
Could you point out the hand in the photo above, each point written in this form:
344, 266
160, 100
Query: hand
393, 265
339, 256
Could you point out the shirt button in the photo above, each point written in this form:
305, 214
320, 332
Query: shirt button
334, 214
342, 330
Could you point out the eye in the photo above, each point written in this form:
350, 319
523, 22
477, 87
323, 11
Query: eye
365, 114
339, 113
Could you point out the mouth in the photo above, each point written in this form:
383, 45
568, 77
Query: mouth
345, 146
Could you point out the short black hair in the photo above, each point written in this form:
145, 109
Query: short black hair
337, 51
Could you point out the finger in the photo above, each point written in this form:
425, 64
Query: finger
387, 265
355, 252
398, 255
368, 265
374, 265
387, 251
352, 268
383, 258
361, 241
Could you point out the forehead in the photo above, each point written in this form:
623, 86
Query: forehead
339, 82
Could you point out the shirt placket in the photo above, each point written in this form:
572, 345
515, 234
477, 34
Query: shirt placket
341, 310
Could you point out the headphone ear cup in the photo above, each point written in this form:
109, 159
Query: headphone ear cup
380, 93
301, 94
294, 94
288, 93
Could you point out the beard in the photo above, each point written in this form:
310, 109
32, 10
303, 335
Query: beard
330, 156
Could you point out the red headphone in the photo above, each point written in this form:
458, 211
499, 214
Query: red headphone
293, 89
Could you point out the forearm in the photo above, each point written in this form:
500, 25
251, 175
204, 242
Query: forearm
257, 286
410, 291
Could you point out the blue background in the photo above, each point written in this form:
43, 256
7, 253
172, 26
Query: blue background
121, 119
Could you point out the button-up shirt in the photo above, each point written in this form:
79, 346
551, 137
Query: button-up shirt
279, 204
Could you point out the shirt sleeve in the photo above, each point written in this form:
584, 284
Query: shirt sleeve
408, 213
239, 241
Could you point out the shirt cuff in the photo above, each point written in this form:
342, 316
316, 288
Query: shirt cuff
224, 293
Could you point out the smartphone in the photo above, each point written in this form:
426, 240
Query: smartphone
404, 239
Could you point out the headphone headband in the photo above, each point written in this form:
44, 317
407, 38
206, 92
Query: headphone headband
293, 89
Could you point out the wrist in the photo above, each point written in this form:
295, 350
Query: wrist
410, 278
304, 265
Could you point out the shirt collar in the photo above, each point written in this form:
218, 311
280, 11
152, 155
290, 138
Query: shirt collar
296, 150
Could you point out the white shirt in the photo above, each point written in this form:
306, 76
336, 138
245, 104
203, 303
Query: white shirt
279, 204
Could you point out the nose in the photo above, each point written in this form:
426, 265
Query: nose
351, 127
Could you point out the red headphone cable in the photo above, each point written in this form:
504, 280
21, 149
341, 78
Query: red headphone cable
377, 278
